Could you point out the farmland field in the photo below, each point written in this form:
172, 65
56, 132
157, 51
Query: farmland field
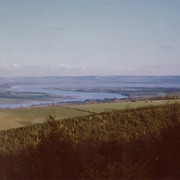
14, 118
101, 107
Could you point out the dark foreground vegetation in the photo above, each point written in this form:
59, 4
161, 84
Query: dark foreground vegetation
141, 143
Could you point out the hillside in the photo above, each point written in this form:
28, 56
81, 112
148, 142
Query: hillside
141, 143
19, 117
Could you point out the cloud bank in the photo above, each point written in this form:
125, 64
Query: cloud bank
15, 70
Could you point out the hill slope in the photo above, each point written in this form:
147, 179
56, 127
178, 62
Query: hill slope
134, 143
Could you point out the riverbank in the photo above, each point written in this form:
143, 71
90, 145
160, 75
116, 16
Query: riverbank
18, 92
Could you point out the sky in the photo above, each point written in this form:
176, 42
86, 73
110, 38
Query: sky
89, 37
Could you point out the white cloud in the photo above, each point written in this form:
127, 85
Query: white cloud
15, 70
65, 66
10, 70
5, 66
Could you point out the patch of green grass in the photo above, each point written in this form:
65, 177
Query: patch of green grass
102, 107
15, 118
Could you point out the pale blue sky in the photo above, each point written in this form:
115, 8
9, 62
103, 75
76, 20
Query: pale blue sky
89, 37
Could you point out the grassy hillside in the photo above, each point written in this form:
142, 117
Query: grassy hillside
142, 143
110, 106
14, 118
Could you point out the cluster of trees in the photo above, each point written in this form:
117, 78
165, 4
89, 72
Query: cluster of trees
141, 143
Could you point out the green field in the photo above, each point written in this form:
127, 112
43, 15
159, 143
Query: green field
102, 107
14, 118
